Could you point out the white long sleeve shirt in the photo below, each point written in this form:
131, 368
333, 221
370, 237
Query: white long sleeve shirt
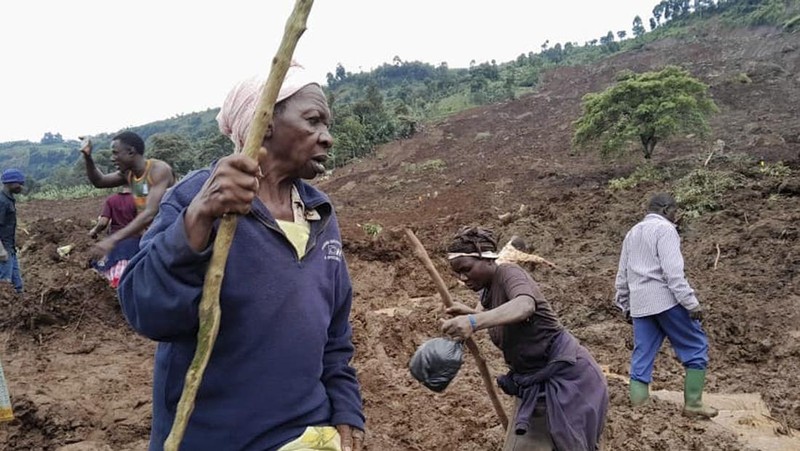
650, 277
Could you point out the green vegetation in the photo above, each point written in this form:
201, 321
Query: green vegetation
647, 108
426, 166
394, 100
372, 230
775, 170
71, 192
643, 174
699, 191
792, 24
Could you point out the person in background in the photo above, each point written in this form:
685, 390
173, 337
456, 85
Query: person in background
118, 211
13, 181
279, 377
148, 180
653, 293
561, 396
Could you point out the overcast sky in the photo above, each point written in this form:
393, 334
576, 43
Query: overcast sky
86, 67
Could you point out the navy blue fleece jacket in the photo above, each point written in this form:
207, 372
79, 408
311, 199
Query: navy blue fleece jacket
281, 360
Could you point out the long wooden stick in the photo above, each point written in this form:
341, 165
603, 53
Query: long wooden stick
422, 255
209, 311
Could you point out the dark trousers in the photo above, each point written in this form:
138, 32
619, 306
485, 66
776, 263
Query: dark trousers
9, 272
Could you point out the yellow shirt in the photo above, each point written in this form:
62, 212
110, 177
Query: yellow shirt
297, 234
316, 438
298, 231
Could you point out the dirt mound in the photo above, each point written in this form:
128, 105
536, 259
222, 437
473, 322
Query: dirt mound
67, 347
59, 290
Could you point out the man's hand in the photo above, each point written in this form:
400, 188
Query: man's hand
94, 232
460, 309
3, 254
628, 318
352, 438
86, 146
458, 328
696, 313
102, 248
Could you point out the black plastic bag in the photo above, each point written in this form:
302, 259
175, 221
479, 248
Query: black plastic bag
437, 362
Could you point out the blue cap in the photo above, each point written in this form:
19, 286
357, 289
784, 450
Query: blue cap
13, 176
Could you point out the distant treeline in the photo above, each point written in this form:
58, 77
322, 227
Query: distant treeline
392, 101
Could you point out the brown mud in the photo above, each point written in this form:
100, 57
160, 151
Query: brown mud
80, 378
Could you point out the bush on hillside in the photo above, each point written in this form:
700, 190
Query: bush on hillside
645, 108
699, 191
643, 174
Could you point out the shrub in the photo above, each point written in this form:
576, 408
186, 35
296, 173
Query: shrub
372, 230
776, 170
642, 174
792, 24
698, 192
426, 166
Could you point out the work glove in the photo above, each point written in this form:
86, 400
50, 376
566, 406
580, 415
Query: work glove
3, 255
628, 318
696, 313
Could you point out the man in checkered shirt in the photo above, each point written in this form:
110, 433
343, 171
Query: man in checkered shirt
655, 296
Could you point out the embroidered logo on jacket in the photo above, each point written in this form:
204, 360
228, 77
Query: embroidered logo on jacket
332, 250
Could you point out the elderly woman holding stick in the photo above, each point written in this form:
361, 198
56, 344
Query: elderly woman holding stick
279, 377
561, 393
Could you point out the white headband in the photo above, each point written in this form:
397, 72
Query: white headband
485, 254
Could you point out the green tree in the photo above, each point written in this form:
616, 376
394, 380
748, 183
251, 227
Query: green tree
658, 11
330, 80
50, 138
608, 42
341, 73
648, 107
211, 148
638, 28
350, 140
173, 148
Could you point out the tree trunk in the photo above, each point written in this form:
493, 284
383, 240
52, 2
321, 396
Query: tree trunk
648, 144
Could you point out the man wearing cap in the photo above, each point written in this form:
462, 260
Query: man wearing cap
13, 180
655, 296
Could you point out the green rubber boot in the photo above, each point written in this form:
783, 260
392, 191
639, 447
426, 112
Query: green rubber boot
640, 393
693, 395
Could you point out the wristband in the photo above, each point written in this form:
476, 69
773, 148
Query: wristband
472, 322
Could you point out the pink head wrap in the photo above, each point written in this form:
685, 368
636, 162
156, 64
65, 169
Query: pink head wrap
237, 111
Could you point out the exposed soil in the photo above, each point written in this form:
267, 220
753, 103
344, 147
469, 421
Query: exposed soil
80, 378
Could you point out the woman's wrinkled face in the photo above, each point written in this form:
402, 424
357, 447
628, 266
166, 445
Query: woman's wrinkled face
300, 139
476, 273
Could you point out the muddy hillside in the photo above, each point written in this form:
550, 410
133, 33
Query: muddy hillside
80, 378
